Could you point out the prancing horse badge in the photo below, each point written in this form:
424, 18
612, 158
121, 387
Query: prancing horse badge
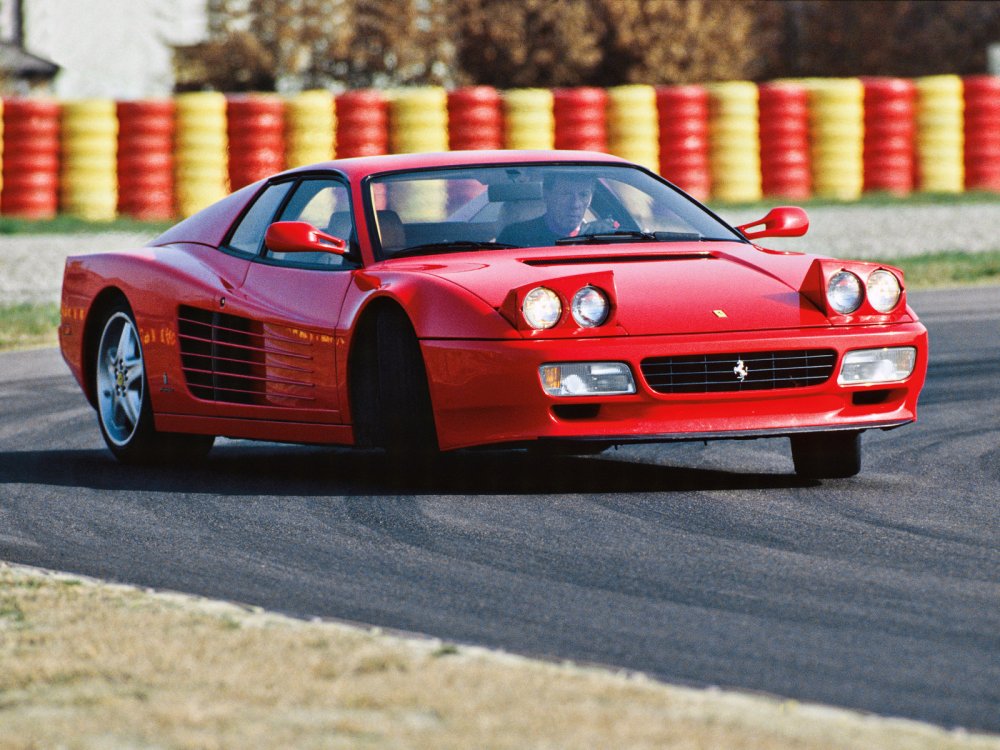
741, 370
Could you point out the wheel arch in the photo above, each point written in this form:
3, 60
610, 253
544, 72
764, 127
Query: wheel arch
362, 364
102, 303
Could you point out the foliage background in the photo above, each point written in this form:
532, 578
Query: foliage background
293, 44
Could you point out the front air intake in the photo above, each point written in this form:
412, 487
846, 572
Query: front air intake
754, 371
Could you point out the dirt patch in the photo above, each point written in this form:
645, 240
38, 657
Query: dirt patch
87, 664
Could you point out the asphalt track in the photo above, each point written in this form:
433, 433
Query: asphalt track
701, 565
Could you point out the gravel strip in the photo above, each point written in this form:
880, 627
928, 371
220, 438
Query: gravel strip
31, 265
884, 232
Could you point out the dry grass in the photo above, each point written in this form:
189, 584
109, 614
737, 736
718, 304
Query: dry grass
91, 665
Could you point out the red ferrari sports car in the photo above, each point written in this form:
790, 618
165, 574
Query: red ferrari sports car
431, 302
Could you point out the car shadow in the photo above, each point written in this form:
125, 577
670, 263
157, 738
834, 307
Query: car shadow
237, 469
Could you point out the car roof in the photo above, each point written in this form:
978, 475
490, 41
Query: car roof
362, 166
211, 224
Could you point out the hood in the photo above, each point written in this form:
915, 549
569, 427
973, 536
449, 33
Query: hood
675, 288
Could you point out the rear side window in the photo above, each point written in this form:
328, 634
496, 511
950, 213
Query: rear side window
249, 234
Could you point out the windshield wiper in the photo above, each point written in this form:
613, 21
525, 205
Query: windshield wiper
629, 236
435, 248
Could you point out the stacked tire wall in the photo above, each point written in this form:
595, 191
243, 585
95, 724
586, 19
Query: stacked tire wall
982, 133
201, 151
683, 125
785, 165
146, 159
30, 159
255, 127
940, 134
890, 127
734, 141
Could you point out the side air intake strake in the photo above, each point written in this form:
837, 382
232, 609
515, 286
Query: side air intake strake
237, 360
752, 371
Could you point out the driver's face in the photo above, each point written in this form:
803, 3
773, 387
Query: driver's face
566, 202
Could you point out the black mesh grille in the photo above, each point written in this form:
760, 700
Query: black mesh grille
720, 373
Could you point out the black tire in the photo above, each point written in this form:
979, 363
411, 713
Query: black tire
124, 410
390, 397
827, 455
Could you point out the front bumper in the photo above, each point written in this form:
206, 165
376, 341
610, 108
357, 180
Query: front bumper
487, 392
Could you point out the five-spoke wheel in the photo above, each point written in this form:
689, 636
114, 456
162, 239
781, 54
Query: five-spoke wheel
124, 410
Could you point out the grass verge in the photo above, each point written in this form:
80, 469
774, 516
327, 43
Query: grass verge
949, 269
73, 225
28, 325
88, 664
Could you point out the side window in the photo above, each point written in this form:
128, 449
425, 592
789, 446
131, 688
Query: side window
249, 235
326, 205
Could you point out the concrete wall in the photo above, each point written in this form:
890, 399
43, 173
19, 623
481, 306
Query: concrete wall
117, 49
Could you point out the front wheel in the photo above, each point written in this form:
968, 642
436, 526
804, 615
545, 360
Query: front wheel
124, 412
827, 455
390, 398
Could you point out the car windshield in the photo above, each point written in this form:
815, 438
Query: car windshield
516, 205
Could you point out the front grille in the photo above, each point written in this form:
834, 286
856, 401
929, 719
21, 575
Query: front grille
720, 373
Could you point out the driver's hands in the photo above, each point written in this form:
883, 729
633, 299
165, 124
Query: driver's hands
600, 226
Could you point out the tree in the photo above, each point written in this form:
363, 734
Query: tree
872, 37
519, 43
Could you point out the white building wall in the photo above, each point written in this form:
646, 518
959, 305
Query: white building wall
119, 49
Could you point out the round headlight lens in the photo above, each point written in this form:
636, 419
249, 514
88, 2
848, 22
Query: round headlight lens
590, 307
844, 292
541, 308
884, 290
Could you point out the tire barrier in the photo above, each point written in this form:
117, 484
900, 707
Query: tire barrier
310, 127
837, 131
982, 133
88, 177
146, 159
256, 132
889, 135
200, 156
475, 117
733, 140
30, 158
683, 125
418, 120
580, 119
785, 165
633, 125
940, 134
362, 123
529, 119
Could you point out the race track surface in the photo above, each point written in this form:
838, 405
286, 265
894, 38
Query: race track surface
701, 565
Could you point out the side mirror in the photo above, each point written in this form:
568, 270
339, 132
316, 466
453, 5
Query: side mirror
302, 237
783, 221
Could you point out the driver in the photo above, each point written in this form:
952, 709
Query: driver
567, 197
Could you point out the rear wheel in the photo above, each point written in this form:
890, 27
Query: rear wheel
827, 455
124, 412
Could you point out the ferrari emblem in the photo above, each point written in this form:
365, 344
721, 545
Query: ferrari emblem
741, 370
720, 313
